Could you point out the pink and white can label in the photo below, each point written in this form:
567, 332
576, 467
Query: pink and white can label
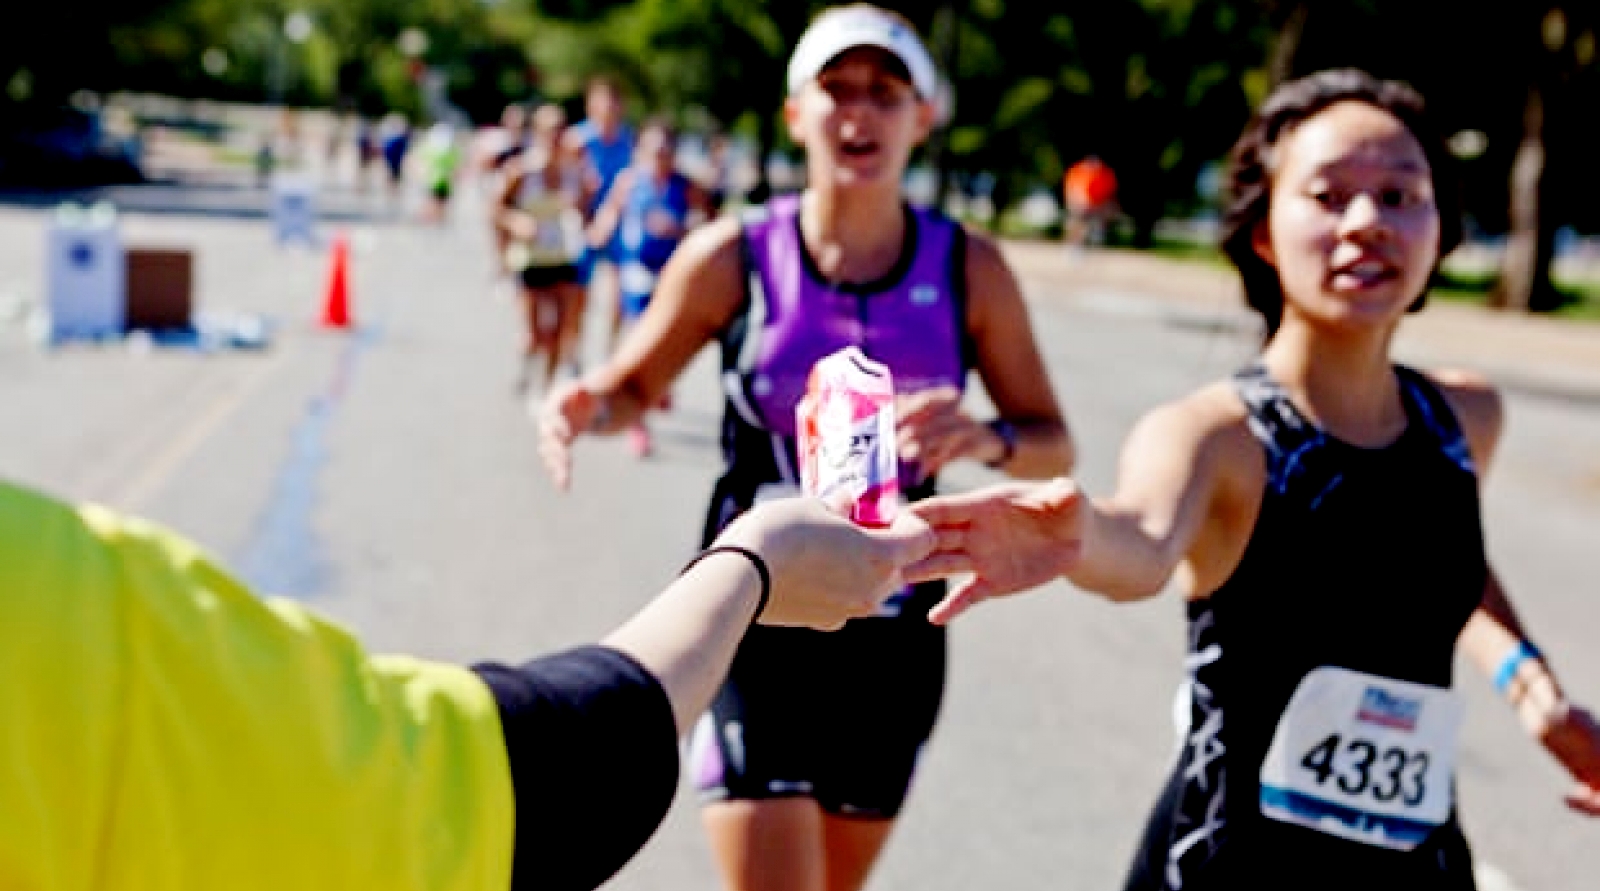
847, 436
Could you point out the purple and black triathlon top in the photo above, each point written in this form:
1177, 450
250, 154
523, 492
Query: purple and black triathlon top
913, 320
774, 732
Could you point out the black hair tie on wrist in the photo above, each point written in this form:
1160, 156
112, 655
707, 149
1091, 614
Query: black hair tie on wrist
755, 560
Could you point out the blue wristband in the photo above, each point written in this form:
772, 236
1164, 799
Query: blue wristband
1514, 659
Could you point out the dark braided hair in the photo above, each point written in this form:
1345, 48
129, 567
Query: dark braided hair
1249, 181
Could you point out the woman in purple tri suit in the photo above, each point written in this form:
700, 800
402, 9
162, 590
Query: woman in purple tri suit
807, 754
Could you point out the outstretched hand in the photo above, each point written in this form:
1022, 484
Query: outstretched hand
1010, 537
567, 412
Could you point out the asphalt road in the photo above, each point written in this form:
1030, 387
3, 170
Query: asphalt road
389, 477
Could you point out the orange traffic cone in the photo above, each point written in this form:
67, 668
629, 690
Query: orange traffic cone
336, 303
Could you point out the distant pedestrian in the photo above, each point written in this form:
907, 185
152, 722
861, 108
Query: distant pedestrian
538, 218
501, 144
441, 159
646, 214
394, 142
367, 150
605, 142
264, 161
1090, 192
499, 153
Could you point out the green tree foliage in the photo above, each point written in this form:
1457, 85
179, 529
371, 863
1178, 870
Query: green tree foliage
1156, 88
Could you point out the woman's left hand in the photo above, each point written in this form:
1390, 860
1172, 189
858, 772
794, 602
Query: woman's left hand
1570, 733
933, 431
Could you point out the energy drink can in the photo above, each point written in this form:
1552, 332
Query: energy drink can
847, 436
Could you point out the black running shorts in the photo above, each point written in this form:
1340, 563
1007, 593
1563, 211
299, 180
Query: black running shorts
839, 716
549, 276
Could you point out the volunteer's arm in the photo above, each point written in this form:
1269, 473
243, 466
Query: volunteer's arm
1186, 473
1496, 642
697, 293
592, 733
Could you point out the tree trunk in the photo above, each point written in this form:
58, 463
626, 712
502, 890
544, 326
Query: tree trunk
766, 139
1287, 46
944, 40
1530, 245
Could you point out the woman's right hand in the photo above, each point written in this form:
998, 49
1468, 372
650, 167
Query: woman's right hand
569, 410
1010, 538
1570, 733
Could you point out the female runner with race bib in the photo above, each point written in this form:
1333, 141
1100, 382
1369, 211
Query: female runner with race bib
1321, 513
807, 754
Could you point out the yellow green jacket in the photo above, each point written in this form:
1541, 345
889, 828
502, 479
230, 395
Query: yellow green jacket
161, 727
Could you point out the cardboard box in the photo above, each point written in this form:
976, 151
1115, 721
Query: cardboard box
160, 288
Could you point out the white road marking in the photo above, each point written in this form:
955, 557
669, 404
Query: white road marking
1493, 878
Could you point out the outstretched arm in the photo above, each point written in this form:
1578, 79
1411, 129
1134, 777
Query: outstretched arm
1186, 472
592, 733
823, 571
697, 293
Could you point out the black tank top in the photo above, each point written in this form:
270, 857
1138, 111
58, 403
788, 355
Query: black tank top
1367, 559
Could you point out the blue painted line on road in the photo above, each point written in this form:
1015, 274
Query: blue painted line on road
284, 556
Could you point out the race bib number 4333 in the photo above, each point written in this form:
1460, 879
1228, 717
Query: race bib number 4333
1362, 757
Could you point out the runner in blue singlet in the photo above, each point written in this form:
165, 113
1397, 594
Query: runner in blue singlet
605, 142
650, 208
808, 753
1321, 512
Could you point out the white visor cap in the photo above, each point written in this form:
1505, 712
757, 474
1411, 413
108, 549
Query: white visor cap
848, 27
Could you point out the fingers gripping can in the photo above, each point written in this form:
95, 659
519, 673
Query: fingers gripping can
847, 436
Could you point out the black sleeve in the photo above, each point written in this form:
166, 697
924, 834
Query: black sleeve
594, 763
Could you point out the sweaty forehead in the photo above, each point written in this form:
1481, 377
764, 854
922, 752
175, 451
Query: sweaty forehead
1351, 136
867, 61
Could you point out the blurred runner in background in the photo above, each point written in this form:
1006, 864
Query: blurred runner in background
649, 209
394, 141
441, 159
1090, 190
605, 142
538, 216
